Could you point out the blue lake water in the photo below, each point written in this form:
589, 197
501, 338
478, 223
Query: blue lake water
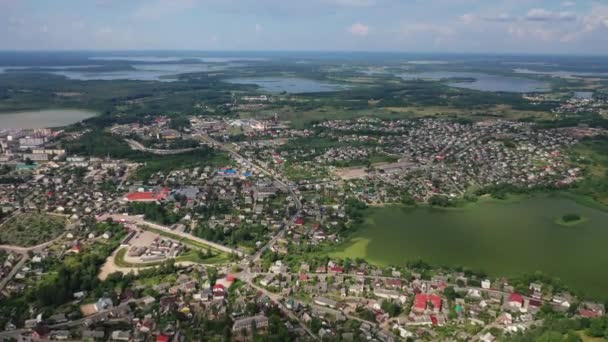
288, 84
177, 59
143, 72
483, 82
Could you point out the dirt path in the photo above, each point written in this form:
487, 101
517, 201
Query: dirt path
110, 267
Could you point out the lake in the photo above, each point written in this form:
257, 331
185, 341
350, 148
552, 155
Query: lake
142, 72
561, 73
43, 118
289, 84
500, 238
483, 82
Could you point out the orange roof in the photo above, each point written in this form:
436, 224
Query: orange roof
141, 196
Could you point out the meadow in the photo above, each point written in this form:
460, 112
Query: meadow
501, 238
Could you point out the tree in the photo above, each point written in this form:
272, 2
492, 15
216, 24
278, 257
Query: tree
450, 293
393, 309
597, 328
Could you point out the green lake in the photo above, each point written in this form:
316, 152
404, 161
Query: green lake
500, 238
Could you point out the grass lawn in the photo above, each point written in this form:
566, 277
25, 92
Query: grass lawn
587, 338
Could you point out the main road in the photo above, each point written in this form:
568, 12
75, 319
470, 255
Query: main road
143, 223
235, 154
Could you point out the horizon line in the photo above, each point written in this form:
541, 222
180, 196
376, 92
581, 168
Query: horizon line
395, 52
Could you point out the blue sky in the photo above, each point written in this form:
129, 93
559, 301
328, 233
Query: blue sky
507, 26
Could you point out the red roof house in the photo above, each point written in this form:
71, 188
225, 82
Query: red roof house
422, 301
162, 338
516, 300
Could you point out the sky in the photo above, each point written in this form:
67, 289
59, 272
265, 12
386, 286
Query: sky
480, 26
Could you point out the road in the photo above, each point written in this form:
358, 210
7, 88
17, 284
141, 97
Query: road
137, 146
17, 333
235, 154
24, 253
13, 271
277, 299
141, 222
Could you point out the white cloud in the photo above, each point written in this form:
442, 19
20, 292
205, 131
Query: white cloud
541, 14
351, 3
568, 4
467, 18
502, 18
258, 28
358, 29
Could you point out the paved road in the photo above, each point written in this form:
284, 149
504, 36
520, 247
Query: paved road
24, 252
137, 146
139, 221
292, 193
34, 249
70, 324
277, 299
13, 271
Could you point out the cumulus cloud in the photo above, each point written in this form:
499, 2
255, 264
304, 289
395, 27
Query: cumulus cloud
568, 4
358, 29
502, 17
258, 28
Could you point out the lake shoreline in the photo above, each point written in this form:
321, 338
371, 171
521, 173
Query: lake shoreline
503, 238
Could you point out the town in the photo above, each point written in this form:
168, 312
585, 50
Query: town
124, 249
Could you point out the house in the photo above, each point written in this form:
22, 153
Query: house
40, 332
93, 335
60, 335
107, 235
266, 281
120, 335
591, 310
75, 249
424, 302
162, 338
204, 295
563, 299
515, 301
387, 294
356, 289
245, 324
336, 270
219, 291
322, 301
103, 303
487, 338
486, 284
393, 283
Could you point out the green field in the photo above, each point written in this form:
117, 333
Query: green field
501, 238
30, 229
